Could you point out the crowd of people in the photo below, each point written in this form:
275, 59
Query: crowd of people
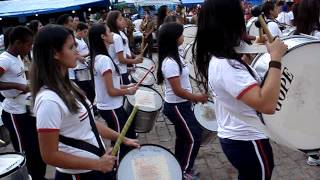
61, 130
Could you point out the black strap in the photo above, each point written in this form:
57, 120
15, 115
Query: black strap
99, 151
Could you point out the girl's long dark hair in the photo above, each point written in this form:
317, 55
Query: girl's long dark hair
96, 44
220, 28
308, 16
46, 70
162, 13
33, 26
168, 46
112, 22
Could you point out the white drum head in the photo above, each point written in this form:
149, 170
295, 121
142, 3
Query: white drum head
147, 63
139, 73
206, 116
149, 162
157, 97
296, 121
9, 162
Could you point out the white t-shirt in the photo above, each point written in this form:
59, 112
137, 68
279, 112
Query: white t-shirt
126, 46
229, 84
14, 72
170, 69
53, 115
285, 17
137, 24
116, 47
274, 28
103, 64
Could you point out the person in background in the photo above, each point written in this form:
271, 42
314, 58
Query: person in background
286, 15
66, 20
271, 11
76, 21
173, 72
119, 50
35, 26
163, 12
13, 86
147, 27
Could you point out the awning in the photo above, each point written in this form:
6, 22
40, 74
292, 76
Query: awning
192, 1
14, 8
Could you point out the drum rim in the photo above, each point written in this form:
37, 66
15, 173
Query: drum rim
198, 120
154, 77
157, 145
17, 167
148, 111
313, 41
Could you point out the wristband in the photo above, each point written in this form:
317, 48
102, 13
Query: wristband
275, 64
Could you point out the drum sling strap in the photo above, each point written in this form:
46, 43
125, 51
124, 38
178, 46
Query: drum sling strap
99, 151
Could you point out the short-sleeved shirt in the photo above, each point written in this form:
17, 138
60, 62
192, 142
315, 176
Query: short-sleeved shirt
170, 69
103, 64
126, 45
229, 80
274, 28
53, 115
13, 71
116, 47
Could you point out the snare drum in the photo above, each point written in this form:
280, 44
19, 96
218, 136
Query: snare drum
146, 63
13, 166
149, 162
146, 116
206, 116
296, 120
139, 73
82, 74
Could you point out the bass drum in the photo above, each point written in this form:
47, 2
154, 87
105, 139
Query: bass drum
296, 120
149, 162
146, 63
139, 73
252, 29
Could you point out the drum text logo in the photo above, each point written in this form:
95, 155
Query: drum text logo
286, 81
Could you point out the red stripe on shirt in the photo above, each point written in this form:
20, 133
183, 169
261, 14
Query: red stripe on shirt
246, 90
2, 70
109, 70
44, 130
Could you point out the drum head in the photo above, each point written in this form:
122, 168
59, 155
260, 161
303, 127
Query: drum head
146, 63
139, 73
296, 120
149, 162
206, 115
9, 162
157, 97
189, 34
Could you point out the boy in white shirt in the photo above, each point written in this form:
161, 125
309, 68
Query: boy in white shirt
271, 11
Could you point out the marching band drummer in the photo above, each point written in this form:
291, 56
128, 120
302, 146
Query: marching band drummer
69, 137
119, 50
108, 88
13, 86
308, 22
271, 12
238, 94
174, 72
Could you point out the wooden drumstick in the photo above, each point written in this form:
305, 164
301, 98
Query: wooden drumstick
144, 49
2, 142
145, 75
265, 28
124, 131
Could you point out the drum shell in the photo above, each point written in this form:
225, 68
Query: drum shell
144, 120
20, 172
